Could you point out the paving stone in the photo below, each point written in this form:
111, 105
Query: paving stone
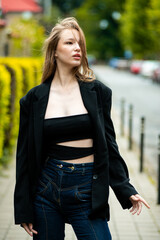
150, 238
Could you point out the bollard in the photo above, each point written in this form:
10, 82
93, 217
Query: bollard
158, 169
130, 127
142, 144
122, 117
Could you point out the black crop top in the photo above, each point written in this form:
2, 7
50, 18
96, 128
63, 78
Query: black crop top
69, 128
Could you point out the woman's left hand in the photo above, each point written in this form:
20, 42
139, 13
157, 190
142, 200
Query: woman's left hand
137, 201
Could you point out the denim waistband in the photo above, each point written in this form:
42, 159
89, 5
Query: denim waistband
67, 166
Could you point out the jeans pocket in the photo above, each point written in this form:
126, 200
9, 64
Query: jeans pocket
83, 192
43, 184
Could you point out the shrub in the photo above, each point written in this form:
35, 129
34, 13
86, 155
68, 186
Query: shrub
18, 76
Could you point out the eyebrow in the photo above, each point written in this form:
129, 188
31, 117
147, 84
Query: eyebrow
71, 39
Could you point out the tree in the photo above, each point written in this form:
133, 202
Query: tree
48, 22
27, 37
66, 6
154, 27
99, 22
134, 26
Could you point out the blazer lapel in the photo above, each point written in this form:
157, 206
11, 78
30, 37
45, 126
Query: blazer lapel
89, 96
39, 108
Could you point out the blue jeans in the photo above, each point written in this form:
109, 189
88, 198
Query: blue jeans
64, 196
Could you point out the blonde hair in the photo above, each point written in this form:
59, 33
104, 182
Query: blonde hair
82, 72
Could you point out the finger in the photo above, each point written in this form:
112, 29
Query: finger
135, 209
132, 209
27, 229
145, 203
134, 197
30, 225
34, 231
139, 208
142, 200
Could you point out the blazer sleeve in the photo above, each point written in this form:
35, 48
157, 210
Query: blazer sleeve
22, 199
118, 171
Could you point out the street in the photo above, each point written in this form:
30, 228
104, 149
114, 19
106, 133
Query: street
145, 98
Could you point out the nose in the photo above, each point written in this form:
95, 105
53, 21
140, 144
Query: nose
77, 47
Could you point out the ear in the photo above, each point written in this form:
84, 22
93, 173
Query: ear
55, 54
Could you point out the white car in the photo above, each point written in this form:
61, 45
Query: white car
148, 67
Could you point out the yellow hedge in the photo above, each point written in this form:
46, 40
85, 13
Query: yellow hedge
5, 80
24, 73
32, 70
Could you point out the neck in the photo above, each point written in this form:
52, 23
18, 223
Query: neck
64, 77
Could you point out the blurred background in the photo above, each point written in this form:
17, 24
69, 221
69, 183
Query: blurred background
123, 49
123, 28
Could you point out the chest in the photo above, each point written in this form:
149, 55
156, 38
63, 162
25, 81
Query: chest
64, 103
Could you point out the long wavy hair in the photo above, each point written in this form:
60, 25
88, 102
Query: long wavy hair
82, 72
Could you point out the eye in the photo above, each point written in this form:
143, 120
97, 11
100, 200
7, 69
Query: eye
69, 43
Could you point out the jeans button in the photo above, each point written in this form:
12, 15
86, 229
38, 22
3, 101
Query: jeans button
95, 176
72, 167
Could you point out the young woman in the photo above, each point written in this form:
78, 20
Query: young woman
67, 155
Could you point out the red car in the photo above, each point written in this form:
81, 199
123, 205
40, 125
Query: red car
135, 66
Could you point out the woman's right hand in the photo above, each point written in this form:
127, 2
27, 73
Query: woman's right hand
29, 228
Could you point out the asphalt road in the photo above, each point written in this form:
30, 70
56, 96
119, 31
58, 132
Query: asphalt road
144, 95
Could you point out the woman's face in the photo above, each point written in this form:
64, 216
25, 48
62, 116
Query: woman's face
68, 50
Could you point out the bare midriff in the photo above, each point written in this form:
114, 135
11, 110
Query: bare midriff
79, 143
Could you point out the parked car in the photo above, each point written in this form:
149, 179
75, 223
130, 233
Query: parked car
123, 64
135, 66
156, 75
119, 63
148, 67
113, 62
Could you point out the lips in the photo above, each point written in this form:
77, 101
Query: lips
77, 55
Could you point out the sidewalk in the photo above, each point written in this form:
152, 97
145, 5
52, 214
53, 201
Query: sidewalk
123, 225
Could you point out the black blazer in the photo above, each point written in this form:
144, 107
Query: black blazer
109, 166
